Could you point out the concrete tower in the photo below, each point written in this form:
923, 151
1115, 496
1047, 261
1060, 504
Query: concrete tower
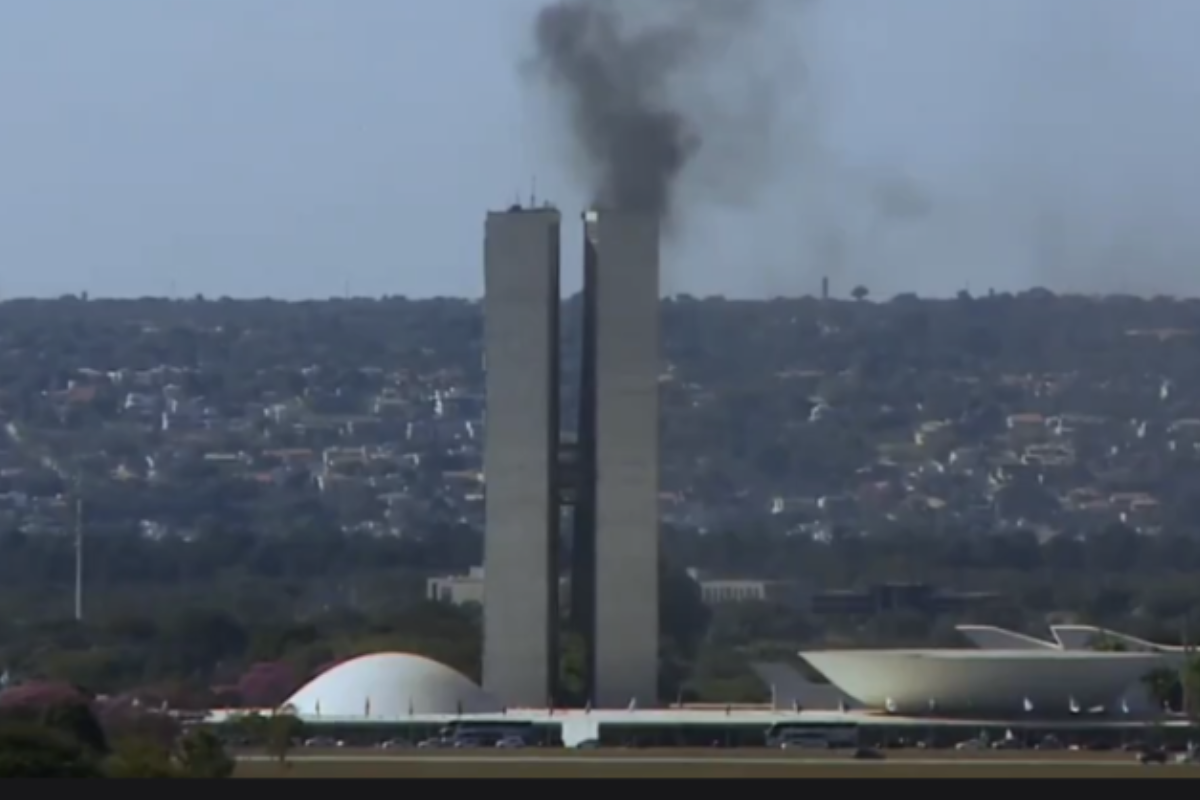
618, 514
520, 618
609, 474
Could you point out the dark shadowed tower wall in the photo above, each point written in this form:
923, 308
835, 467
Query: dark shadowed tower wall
583, 544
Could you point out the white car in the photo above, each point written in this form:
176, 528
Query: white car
393, 744
324, 743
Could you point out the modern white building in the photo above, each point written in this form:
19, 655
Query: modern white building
1010, 679
1041, 683
1031, 682
1084, 638
955, 693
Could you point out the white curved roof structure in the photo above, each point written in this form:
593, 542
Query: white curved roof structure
989, 637
1045, 682
1078, 637
390, 686
1085, 637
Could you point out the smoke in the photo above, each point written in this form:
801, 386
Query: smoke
927, 146
968, 144
651, 90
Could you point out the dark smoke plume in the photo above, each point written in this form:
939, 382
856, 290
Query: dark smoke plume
637, 79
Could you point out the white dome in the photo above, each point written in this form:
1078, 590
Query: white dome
391, 686
965, 681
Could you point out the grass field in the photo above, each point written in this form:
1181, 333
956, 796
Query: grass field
705, 764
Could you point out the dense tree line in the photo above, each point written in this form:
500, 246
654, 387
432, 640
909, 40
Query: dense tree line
170, 629
53, 731
1110, 576
267, 574
202, 651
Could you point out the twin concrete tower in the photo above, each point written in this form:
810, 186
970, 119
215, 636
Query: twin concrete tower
607, 474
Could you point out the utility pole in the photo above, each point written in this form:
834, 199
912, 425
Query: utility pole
1188, 667
78, 558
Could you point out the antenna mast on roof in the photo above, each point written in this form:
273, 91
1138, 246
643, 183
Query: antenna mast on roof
533, 191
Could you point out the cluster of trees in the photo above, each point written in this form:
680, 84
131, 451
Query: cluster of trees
747, 377
202, 652
49, 731
746, 374
214, 621
1176, 690
241, 350
269, 578
1114, 576
207, 657
116, 561
745, 370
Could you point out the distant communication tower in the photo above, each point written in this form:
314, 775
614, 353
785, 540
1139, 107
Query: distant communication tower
78, 559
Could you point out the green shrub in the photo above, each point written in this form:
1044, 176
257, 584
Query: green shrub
38, 751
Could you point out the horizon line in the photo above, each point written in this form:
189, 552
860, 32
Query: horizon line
203, 297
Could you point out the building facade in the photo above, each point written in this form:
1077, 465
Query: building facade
462, 590
521, 277
607, 472
621, 366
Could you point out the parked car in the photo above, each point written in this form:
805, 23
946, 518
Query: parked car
1152, 756
510, 743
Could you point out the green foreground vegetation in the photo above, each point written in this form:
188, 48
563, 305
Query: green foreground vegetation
66, 739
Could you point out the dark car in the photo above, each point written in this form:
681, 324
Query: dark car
1152, 756
868, 754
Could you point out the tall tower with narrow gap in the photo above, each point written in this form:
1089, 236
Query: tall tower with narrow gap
609, 473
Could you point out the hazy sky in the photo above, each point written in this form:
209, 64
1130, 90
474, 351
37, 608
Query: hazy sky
299, 147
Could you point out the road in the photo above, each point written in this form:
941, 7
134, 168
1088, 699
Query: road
695, 764
683, 761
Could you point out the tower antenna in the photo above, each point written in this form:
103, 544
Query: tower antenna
533, 192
